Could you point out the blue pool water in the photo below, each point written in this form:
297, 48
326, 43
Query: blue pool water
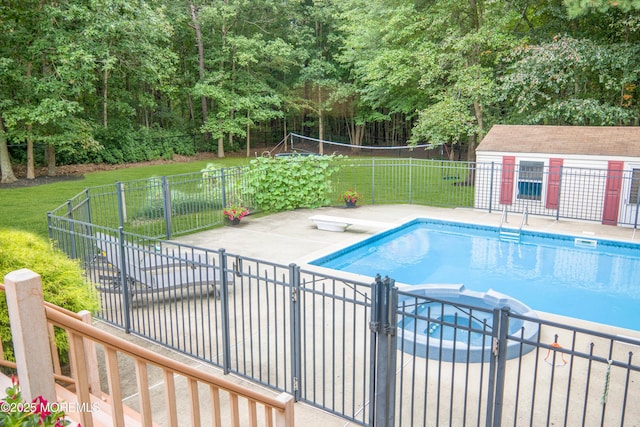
595, 280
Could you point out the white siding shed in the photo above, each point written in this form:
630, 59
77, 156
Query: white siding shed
548, 169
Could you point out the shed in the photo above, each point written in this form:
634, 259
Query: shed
581, 172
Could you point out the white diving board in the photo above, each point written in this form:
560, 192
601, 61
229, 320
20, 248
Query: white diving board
338, 223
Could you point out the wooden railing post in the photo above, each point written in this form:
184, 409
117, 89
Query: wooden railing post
25, 305
93, 373
286, 418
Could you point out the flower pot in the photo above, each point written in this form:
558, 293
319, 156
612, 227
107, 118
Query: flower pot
234, 221
350, 204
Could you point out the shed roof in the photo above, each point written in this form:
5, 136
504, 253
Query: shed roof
582, 140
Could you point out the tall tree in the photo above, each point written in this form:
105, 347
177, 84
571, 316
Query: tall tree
6, 170
320, 84
574, 82
387, 51
201, 60
49, 74
133, 62
241, 65
434, 60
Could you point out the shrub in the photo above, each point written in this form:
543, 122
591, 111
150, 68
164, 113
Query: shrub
63, 281
121, 143
287, 183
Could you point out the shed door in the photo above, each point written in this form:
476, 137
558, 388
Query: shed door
506, 180
553, 183
612, 193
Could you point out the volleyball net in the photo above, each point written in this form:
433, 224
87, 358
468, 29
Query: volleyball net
296, 143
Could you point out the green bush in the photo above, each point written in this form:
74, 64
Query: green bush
286, 183
63, 281
122, 143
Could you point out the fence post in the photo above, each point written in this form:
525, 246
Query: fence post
50, 226
72, 231
166, 198
295, 327
497, 367
373, 181
127, 295
224, 309
223, 189
25, 305
635, 222
410, 180
88, 202
384, 315
391, 349
374, 327
559, 193
121, 204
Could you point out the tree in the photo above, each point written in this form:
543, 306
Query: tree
387, 51
201, 60
133, 63
49, 72
572, 81
240, 65
6, 170
434, 61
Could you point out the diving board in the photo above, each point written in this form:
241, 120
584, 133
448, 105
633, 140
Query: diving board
337, 223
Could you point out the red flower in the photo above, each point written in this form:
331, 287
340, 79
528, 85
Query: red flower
236, 212
41, 407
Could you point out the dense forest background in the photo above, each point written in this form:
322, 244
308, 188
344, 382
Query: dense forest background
120, 80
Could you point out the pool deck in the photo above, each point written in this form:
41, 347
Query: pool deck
290, 237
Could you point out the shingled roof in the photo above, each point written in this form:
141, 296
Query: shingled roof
583, 140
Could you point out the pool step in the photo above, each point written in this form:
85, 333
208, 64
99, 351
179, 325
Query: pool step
510, 235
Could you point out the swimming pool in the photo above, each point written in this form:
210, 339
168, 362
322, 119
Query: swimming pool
591, 279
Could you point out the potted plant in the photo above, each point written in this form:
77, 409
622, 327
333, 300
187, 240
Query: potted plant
235, 213
350, 198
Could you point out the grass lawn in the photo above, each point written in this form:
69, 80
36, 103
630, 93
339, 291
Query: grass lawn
26, 208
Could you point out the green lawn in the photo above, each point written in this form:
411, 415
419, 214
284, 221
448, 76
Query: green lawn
26, 208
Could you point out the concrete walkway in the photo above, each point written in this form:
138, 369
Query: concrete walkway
290, 237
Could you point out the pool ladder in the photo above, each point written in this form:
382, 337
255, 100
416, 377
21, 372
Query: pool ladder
511, 234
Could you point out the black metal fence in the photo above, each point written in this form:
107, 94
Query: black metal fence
369, 353
563, 375
344, 346
164, 207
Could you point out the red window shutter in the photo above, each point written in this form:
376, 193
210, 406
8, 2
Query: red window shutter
506, 180
553, 183
612, 193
